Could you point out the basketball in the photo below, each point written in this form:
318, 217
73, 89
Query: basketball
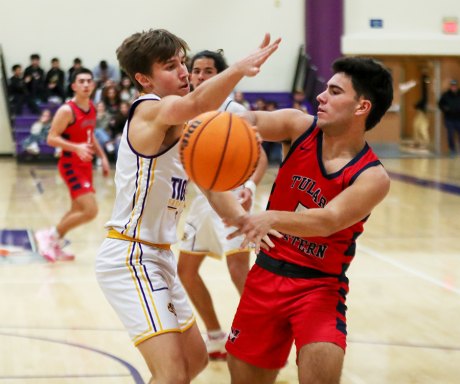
219, 150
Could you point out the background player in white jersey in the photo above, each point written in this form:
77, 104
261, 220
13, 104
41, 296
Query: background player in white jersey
135, 267
204, 232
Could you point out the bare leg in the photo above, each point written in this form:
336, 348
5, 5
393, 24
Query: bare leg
83, 209
238, 266
320, 363
188, 270
244, 373
174, 357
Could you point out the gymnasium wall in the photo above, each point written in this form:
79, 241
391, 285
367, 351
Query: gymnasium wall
92, 30
409, 27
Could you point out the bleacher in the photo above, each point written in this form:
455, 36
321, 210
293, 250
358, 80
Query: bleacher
21, 130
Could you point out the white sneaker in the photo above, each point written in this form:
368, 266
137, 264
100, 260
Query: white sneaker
216, 347
47, 242
33, 148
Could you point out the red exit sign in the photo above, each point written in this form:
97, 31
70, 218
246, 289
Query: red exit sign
450, 25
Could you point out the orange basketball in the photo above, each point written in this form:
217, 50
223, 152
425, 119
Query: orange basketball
219, 150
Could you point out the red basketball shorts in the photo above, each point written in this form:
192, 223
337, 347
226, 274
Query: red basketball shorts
275, 311
78, 177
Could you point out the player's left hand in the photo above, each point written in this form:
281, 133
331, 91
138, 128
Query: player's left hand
256, 229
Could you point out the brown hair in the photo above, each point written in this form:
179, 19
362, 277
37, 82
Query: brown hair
138, 52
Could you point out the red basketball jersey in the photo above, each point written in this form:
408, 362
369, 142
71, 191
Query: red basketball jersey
80, 131
303, 183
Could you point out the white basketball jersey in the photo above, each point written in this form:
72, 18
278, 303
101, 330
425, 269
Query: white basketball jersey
150, 190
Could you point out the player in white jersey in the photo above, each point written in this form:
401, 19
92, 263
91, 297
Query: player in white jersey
204, 232
135, 267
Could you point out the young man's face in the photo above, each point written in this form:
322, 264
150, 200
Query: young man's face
338, 104
83, 85
169, 78
203, 69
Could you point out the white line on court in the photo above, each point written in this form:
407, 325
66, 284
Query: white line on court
408, 269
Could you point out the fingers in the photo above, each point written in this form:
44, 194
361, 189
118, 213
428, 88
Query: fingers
266, 239
268, 51
275, 233
234, 234
265, 41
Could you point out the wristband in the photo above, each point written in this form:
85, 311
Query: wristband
251, 186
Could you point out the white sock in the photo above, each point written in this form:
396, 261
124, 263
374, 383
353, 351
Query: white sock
216, 334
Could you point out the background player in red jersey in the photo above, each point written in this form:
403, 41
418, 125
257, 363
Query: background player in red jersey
72, 130
326, 187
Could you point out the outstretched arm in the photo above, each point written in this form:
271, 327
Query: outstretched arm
353, 204
230, 210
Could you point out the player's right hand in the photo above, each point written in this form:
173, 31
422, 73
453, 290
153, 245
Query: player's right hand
251, 64
85, 152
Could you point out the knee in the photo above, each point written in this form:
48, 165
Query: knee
198, 363
90, 213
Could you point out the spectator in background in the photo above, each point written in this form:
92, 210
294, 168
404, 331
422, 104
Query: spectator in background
77, 64
240, 99
117, 123
110, 96
259, 104
299, 101
127, 90
103, 72
38, 133
102, 130
54, 82
272, 148
449, 103
34, 77
18, 94
421, 123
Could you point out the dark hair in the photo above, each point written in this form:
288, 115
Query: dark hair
217, 56
139, 51
77, 60
371, 80
54, 60
15, 66
79, 71
103, 65
34, 56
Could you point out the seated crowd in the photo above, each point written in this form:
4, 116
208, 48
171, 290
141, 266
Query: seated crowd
39, 91
112, 97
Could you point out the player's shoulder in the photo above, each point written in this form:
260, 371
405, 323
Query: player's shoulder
375, 175
65, 109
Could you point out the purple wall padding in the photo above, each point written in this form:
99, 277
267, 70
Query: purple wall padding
324, 28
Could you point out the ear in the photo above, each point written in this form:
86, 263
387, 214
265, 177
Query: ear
364, 107
143, 80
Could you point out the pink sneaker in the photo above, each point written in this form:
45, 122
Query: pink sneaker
46, 242
62, 255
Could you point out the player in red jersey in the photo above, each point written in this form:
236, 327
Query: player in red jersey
326, 188
72, 130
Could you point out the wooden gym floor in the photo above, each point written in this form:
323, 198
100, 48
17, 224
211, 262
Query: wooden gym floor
404, 301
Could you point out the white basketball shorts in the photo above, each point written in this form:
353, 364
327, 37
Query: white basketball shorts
141, 284
205, 232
